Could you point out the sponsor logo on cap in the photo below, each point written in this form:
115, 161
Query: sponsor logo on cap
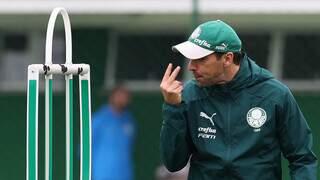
202, 43
196, 33
222, 47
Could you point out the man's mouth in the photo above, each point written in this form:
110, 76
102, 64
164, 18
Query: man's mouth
197, 76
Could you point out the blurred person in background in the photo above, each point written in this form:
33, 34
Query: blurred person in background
113, 130
234, 119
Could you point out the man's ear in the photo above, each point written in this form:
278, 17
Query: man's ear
228, 59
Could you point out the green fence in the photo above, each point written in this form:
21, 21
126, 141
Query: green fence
146, 155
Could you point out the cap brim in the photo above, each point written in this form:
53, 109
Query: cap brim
191, 50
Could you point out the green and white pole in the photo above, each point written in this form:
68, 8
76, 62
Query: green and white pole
85, 126
48, 127
69, 127
83, 70
32, 124
69, 90
68, 70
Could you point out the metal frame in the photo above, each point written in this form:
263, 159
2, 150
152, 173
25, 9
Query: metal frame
68, 70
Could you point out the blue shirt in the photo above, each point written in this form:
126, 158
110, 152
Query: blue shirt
112, 143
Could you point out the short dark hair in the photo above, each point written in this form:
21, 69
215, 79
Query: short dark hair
238, 56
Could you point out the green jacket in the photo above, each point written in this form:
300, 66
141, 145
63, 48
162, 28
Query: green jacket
238, 130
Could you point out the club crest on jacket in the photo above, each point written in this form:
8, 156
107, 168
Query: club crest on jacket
256, 117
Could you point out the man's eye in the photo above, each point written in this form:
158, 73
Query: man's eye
204, 59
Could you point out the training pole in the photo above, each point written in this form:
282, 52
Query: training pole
68, 70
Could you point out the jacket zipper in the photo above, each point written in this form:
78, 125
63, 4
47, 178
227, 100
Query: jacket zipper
228, 134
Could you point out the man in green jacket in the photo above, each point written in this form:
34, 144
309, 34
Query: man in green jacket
234, 119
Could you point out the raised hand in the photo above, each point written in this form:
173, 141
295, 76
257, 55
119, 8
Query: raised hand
171, 88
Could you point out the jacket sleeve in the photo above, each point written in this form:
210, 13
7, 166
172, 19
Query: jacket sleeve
296, 141
174, 144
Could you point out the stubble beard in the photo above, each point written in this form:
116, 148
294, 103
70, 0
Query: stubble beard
209, 82
205, 83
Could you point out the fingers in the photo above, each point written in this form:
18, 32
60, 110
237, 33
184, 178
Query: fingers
174, 74
168, 72
169, 77
174, 86
178, 90
171, 89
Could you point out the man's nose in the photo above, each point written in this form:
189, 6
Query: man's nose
191, 65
